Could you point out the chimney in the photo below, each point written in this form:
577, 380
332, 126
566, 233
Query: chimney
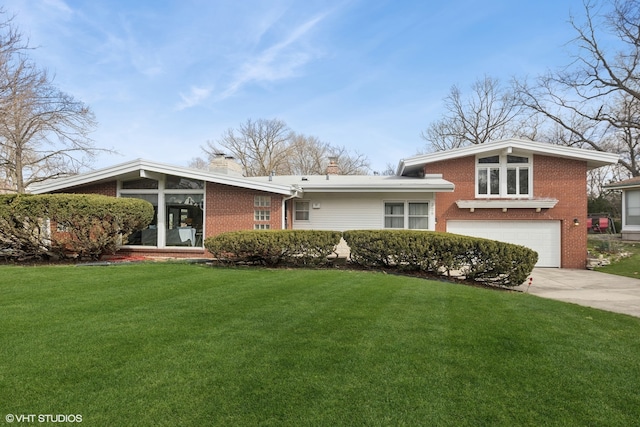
224, 164
332, 169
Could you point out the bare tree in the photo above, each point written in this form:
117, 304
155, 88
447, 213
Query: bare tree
350, 163
261, 146
488, 113
307, 155
269, 146
44, 132
594, 102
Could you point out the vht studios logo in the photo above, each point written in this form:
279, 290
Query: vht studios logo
43, 418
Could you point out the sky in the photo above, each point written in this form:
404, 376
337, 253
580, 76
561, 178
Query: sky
164, 77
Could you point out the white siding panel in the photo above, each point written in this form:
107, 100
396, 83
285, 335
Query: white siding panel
349, 211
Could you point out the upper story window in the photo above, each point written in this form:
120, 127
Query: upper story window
503, 176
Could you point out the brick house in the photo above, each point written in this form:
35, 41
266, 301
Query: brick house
529, 193
517, 191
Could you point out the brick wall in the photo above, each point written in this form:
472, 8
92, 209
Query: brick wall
561, 179
232, 209
105, 188
228, 208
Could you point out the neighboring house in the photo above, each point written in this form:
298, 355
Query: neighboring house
630, 207
516, 191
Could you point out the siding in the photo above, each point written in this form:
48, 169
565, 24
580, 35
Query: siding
353, 211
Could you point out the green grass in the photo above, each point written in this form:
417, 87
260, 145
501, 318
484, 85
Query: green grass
628, 266
176, 344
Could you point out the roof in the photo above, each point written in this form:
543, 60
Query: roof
627, 183
359, 183
595, 159
140, 168
286, 185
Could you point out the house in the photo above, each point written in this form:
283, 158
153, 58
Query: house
516, 191
630, 207
529, 193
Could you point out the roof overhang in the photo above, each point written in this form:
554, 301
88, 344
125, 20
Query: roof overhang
363, 183
145, 169
628, 184
595, 159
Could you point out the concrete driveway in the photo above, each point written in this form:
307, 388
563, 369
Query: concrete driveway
589, 288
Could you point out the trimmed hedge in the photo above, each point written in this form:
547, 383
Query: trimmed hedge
480, 260
85, 225
272, 247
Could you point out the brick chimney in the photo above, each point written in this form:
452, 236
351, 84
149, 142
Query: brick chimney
333, 169
225, 165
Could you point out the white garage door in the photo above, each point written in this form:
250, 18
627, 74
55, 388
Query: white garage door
541, 236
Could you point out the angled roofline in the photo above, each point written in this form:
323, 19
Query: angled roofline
594, 159
140, 166
625, 184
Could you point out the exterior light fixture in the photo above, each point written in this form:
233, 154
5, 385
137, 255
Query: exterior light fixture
576, 222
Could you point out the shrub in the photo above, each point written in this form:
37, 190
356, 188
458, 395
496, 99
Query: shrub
35, 226
477, 259
272, 247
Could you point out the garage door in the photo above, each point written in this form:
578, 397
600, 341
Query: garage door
541, 236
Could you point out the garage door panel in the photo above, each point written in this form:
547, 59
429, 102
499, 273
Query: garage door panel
541, 236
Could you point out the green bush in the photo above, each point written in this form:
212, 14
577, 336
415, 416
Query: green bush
477, 259
272, 247
86, 225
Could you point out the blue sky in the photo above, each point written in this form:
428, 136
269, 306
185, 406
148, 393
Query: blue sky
164, 77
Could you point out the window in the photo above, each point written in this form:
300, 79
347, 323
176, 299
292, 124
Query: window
262, 201
301, 210
632, 207
394, 215
261, 227
418, 216
149, 235
179, 211
262, 215
503, 176
181, 183
414, 214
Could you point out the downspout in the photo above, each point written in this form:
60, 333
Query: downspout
295, 191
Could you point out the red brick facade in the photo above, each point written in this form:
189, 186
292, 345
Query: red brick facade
232, 209
105, 188
227, 208
561, 179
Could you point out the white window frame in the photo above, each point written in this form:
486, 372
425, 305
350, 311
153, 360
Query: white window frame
628, 194
406, 215
163, 193
296, 210
261, 215
502, 167
262, 226
262, 201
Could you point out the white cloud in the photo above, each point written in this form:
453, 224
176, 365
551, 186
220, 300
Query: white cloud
195, 96
276, 62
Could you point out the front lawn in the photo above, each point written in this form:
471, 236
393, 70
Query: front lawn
178, 344
624, 256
